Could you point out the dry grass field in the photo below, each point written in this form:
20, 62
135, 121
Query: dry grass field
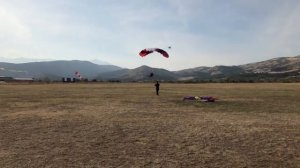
127, 125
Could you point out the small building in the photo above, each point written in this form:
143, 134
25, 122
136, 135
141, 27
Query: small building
6, 78
68, 80
24, 79
12, 79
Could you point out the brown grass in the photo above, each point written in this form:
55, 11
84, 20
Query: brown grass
127, 125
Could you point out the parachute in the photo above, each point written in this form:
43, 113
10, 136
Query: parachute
201, 98
147, 51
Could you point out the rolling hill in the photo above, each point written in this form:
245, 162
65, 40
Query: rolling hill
139, 74
276, 65
277, 68
54, 70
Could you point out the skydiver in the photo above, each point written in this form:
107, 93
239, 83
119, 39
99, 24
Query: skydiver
151, 74
157, 88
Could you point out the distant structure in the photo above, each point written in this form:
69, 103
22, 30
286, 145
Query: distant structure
6, 79
12, 79
24, 79
68, 80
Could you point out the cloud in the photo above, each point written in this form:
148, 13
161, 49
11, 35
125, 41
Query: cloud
200, 32
12, 28
278, 32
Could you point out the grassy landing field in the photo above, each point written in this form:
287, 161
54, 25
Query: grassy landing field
127, 125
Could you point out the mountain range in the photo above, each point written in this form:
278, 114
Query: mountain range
54, 70
283, 68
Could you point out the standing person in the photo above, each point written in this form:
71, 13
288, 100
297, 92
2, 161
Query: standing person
157, 88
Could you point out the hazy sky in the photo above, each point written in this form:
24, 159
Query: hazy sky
200, 32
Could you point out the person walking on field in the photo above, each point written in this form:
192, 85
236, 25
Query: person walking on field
157, 88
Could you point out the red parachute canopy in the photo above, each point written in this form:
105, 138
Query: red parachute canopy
147, 51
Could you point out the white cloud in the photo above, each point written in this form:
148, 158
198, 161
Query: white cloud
201, 33
279, 35
12, 28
